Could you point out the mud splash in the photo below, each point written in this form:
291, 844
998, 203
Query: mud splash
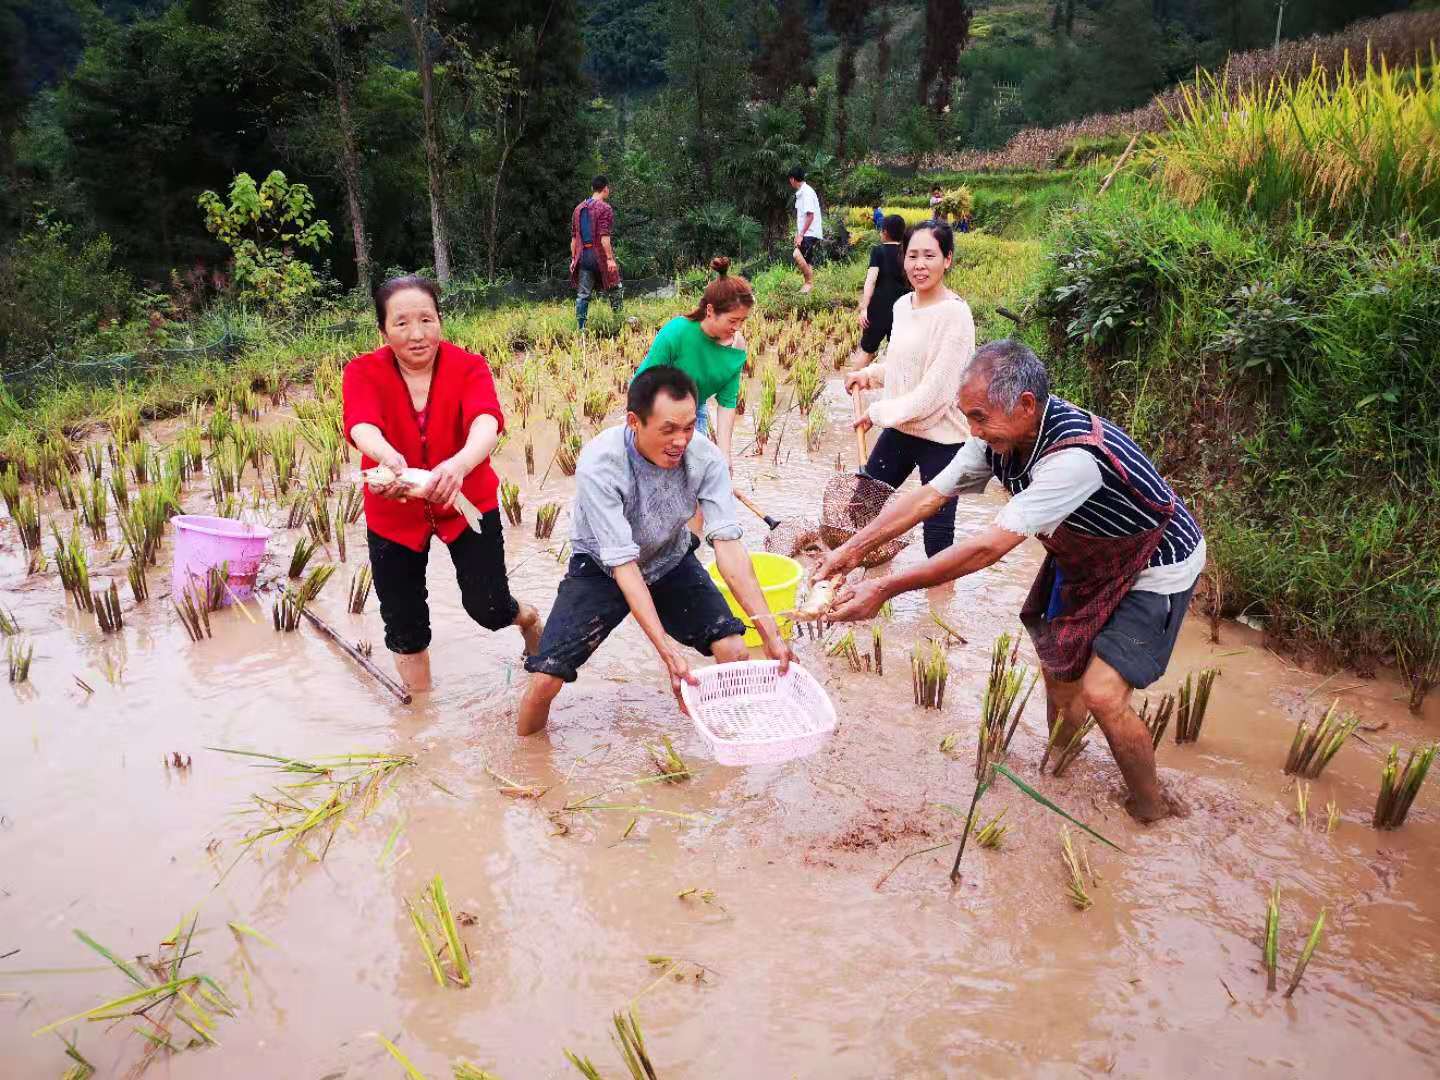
799, 966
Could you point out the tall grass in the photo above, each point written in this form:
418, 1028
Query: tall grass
1358, 146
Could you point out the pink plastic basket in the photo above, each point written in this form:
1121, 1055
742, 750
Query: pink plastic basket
750, 715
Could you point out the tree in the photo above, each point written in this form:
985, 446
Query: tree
847, 18
947, 29
263, 225
708, 80
784, 54
420, 15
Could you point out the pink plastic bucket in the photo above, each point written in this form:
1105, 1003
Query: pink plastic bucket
205, 542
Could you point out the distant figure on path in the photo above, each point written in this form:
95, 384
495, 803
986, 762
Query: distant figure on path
878, 218
809, 229
885, 282
1123, 553
937, 196
592, 257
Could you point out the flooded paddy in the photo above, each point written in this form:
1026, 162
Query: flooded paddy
797, 965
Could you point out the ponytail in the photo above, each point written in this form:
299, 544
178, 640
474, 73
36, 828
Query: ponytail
725, 293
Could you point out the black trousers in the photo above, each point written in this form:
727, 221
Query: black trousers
399, 575
895, 456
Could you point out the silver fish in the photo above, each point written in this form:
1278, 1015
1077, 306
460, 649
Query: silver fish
414, 481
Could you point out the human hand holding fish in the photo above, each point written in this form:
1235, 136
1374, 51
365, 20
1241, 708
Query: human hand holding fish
437, 485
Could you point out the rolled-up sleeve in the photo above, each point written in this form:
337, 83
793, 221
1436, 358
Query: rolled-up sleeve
967, 473
478, 397
600, 503
717, 502
1059, 485
360, 399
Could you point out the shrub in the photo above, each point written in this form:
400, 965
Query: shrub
864, 186
715, 228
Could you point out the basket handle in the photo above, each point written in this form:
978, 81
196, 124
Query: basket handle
860, 447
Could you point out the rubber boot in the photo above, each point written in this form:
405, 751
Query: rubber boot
414, 670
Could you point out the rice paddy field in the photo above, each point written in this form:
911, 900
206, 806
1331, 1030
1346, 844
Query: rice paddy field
228, 851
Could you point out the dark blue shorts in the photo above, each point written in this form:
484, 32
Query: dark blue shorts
590, 604
1140, 636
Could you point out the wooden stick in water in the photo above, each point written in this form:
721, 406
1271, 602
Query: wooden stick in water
359, 657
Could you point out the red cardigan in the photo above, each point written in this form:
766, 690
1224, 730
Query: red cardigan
461, 389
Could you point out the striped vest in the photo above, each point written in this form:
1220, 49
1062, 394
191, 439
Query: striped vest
1112, 511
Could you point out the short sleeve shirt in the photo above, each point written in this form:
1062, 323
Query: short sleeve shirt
807, 202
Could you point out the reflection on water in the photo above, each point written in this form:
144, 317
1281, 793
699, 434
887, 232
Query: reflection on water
808, 969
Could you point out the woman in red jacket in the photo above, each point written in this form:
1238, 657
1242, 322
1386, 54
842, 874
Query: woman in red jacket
419, 402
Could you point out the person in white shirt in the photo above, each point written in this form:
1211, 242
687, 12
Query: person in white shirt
809, 230
1123, 552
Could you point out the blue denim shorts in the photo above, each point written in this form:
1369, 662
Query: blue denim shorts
702, 420
1140, 635
590, 605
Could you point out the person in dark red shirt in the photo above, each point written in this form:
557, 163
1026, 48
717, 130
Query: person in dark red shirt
420, 402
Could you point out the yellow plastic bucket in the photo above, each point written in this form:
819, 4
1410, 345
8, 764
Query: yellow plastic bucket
779, 578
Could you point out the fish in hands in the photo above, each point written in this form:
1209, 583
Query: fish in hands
386, 481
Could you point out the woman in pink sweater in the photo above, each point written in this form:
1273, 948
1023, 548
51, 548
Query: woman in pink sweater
930, 347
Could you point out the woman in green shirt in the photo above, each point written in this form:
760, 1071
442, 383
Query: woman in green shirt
707, 345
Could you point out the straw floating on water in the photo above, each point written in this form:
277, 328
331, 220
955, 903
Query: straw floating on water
434, 923
668, 762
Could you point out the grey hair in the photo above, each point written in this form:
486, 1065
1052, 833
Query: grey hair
1009, 368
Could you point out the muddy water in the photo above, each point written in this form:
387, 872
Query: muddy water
806, 969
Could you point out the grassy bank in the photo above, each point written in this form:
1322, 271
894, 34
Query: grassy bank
1255, 312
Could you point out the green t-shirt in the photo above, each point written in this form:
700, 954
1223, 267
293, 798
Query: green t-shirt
714, 367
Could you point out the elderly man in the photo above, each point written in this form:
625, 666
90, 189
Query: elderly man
1123, 552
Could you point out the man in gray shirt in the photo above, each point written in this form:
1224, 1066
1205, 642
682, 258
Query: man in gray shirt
636, 487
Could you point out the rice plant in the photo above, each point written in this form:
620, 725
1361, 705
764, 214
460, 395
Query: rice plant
1272, 937
319, 523
510, 501
1305, 954
10, 487
142, 522
1332, 816
1398, 787
1002, 705
568, 453
360, 583
1311, 751
337, 526
809, 384
27, 522
435, 926
282, 462
350, 504
174, 1011
814, 429
846, 647
596, 404
140, 461
992, 833
630, 1041
1071, 750
929, 670
1157, 722
94, 507
124, 419
93, 456
877, 648
545, 520
300, 557
194, 617
1194, 698
1077, 868
296, 509
107, 609
9, 625
317, 804
139, 586
73, 565
1302, 804
764, 423
289, 606
119, 492
668, 763
65, 490
19, 652
529, 456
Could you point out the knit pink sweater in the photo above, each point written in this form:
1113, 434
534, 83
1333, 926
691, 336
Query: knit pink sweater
929, 350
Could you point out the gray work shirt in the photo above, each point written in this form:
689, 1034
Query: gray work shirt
628, 509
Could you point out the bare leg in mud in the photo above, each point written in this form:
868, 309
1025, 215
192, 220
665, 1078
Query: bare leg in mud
534, 711
1104, 693
531, 627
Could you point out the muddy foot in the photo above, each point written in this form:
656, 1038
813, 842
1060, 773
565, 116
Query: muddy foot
531, 627
1168, 806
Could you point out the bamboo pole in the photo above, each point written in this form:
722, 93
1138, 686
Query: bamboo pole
359, 657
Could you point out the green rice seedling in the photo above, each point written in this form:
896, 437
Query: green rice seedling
296, 509
319, 523
1071, 750
282, 461
1003, 703
809, 384
227, 466
1160, 720
1077, 868
466, 1071
119, 492
19, 652
1398, 787
350, 504
142, 523
630, 1041
1311, 751
929, 671
1302, 804
669, 765
439, 935
1305, 954
596, 404
545, 520
568, 453
529, 456
337, 526
950, 742
167, 997
107, 609
510, 501
1332, 816
992, 833
191, 445
26, 513
330, 788
764, 423
73, 564
82, 1069
124, 419
10, 487
65, 491
140, 462
213, 587
93, 455
9, 626
300, 557
846, 647
194, 617
814, 429
94, 507
360, 583
139, 586
950, 632
1194, 698
1272, 936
